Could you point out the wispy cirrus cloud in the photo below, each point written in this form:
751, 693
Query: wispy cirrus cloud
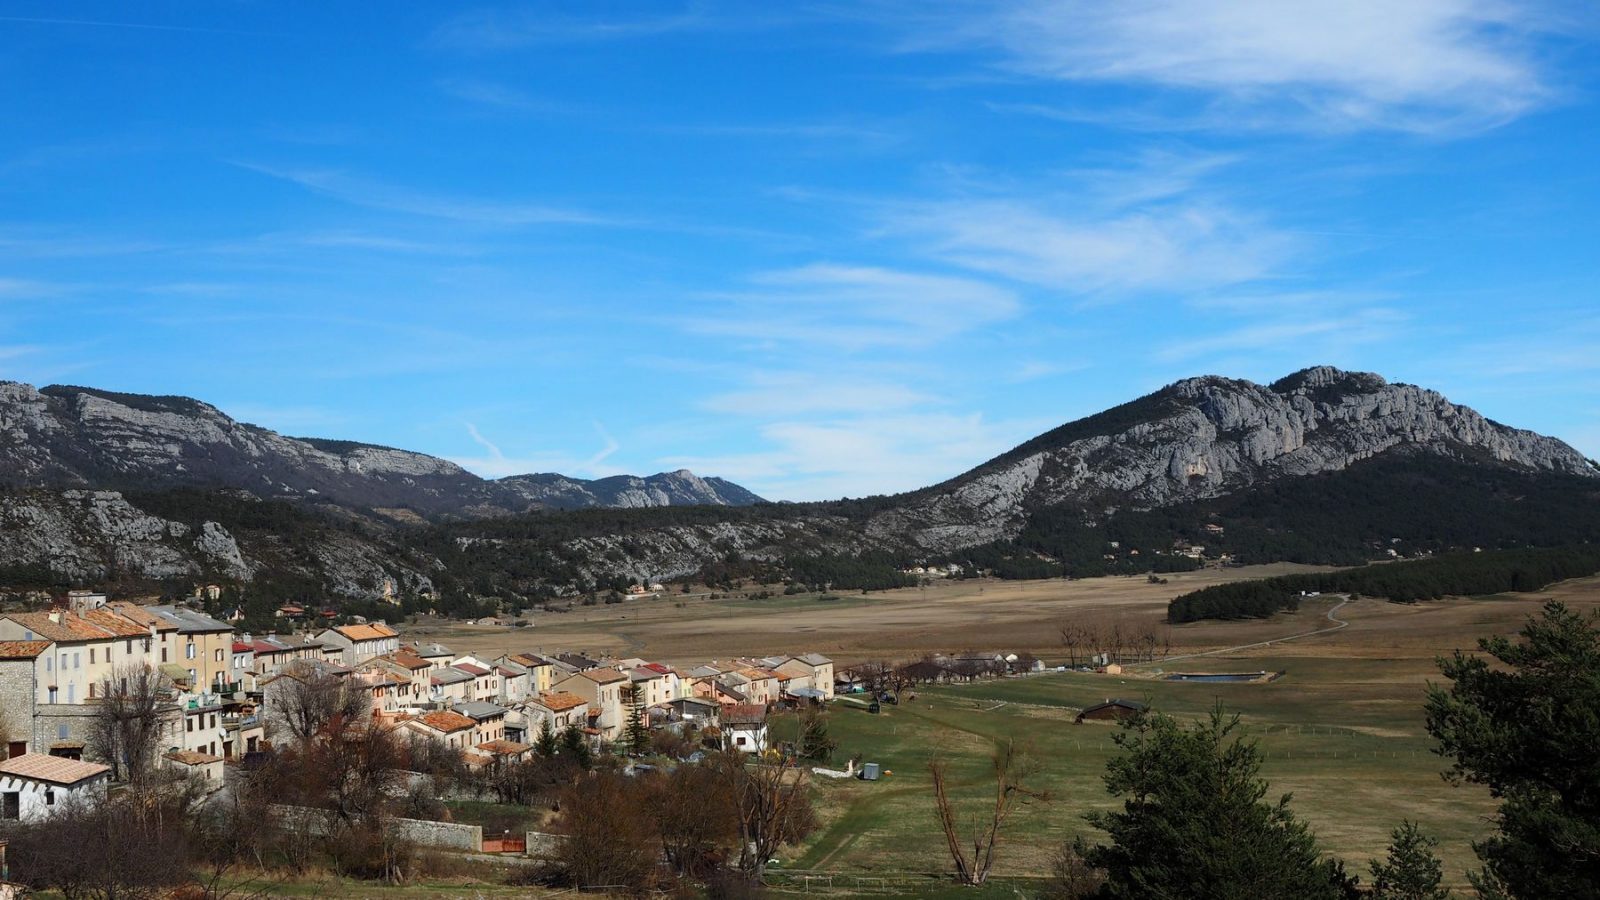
497, 464
789, 393
826, 458
1155, 224
1422, 65
488, 30
855, 307
1292, 337
393, 198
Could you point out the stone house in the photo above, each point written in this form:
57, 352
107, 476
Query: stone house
602, 689
355, 644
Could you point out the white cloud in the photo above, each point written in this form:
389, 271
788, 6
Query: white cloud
856, 307
1169, 246
1417, 65
859, 456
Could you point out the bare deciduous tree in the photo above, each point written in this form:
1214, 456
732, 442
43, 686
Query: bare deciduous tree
1012, 768
305, 701
135, 704
772, 805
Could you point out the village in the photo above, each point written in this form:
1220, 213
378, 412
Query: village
223, 700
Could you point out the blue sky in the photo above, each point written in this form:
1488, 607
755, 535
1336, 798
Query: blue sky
823, 250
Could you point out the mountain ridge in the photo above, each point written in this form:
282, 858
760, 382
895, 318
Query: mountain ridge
92, 438
1184, 448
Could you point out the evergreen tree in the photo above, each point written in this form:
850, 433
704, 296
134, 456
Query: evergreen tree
1412, 871
546, 744
1527, 726
815, 745
1194, 824
573, 744
637, 735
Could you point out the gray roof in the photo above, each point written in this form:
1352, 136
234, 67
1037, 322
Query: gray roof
450, 675
814, 659
479, 710
189, 621
431, 651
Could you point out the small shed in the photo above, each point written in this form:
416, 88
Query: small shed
202, 766
1111, 711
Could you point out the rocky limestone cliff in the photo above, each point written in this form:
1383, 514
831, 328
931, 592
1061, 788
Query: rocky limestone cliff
1209, 436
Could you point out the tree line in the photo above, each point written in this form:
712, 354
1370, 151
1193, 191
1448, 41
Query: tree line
1458, 574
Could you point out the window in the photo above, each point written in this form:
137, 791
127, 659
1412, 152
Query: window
61, 732
11, 807
188, 651
52, 695
72, 692
127, 646
49, 797
77, 660
219, 655
91, 656
188, 725
49, 663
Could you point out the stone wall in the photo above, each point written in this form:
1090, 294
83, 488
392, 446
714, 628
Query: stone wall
543, 845
443, 835
55, 723
16, 702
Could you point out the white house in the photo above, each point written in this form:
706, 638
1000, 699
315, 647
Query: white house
745, 726
33, 785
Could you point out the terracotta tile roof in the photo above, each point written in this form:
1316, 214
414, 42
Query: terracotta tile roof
658, 667
54, 769
142, 616
22, 649
560, 701
66, 626
373, 632
410, 660
504, 748
744, 714
603, 676
192, 757
116, 623
446, 721
470, 669
531, 660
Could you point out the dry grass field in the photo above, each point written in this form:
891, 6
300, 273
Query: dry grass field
1342, 729
1017, 615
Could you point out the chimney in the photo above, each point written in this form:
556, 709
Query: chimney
55, 616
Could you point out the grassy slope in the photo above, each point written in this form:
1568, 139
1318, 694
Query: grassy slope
1345, 736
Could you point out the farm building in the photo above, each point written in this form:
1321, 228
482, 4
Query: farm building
1111, 710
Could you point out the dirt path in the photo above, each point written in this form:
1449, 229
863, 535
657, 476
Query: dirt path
1338, 624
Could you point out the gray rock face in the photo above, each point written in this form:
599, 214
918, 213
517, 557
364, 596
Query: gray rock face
1199, 438
679, 488
1209, 436
92, 536
83, 437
